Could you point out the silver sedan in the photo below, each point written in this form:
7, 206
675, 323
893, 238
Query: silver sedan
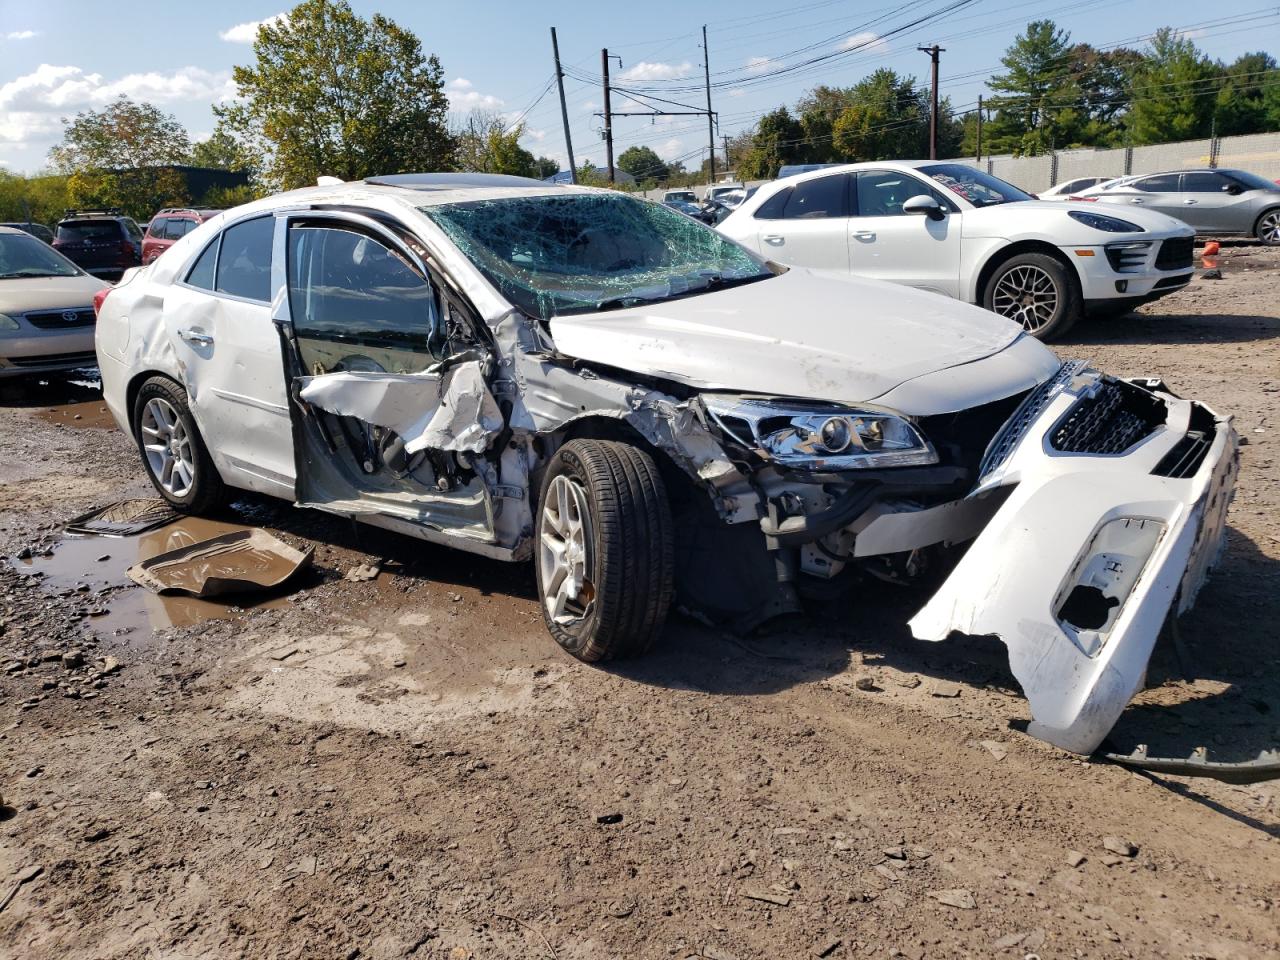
46, 308
1214, 202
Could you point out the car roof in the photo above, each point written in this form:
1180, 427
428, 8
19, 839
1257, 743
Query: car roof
5, 228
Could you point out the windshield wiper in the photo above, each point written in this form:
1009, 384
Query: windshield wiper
22, 274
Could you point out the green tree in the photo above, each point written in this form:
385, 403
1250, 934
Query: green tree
779, 139
886, 118
119, 156
544, 167
1037, 106
334, 94
643, 164
485, 145
219, 152
42, 197
1173, 91
1243, 102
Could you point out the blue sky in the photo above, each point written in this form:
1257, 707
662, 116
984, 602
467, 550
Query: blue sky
57, 58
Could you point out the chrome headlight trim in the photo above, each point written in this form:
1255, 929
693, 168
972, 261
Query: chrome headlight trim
819, 436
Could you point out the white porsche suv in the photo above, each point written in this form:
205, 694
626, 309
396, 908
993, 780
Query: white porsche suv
950, 228
642, 408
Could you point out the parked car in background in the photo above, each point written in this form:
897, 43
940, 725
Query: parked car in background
683, 196
958, 231
1068, 188
46, 308
688, 208
644, 410
104, 243
729, 194
168, 225
792, 169
37, 230
1214, 202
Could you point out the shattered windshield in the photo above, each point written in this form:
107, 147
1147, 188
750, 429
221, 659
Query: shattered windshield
979, 188
578, 253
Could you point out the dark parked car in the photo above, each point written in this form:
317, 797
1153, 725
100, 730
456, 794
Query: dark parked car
37, 230
169, 225
104, 243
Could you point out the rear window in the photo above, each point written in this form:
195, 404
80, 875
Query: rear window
87, 231
244, 265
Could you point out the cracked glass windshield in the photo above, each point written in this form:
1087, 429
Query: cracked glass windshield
577, 253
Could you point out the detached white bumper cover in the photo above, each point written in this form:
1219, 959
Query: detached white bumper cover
1078, 569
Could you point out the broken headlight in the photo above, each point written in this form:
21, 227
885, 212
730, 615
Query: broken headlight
818, 436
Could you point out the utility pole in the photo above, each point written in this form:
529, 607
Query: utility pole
978, 158
728, 164
608, 114
933, 109
711, 118
564, 110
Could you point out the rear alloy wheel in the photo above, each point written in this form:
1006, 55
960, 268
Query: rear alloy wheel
604, 551
1268, 229
172, 449
1034, 290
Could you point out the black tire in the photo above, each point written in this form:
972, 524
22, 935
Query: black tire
628, 538
206, 490
1068, 305
1267, 229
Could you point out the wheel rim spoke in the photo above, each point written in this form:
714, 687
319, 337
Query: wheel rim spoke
563, 551
1027, 295
166, 446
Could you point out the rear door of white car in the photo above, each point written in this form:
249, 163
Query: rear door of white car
887, 243
219, 323
807, 225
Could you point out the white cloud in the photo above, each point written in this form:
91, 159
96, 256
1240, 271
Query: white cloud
464, 97
737, 92
670, 149
20, 35
31, 106
863, 41
759, 64
248, 32
589, 106
656, 71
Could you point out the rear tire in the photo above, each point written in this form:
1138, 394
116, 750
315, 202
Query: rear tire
1267, 229
173, 451
1036, 291
604, 550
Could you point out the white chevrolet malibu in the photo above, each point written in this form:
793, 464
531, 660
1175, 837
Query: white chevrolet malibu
955, 230
644, 409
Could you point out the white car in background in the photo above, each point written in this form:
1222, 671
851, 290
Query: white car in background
1069, 188
946, 227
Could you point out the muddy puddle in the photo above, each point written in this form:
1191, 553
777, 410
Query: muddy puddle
93, 570
88, 414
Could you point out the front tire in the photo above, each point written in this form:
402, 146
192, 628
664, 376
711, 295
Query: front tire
1036, 291
604, 550
1267, 229
173, 452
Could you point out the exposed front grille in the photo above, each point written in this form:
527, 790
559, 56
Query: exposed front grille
1175, 253
87, 358
61, 319
1128, 256
1016, 428
1109, 420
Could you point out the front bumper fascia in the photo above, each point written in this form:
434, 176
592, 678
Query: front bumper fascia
1012, 581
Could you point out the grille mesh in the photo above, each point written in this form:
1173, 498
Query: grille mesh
1111, 420
1175, 253
61, 319
1016, 428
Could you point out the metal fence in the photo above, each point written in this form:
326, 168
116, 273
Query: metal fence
1256, 152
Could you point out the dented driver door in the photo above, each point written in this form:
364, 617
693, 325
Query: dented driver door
396, 414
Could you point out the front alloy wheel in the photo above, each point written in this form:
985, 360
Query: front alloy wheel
1035, 291
564, 551
1269, 228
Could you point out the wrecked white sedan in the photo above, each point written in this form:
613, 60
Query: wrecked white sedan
647, 410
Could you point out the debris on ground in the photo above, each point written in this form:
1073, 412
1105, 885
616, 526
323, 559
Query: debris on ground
944, 688
363, 572
125, 518
960, 899
237, 562
1120, 846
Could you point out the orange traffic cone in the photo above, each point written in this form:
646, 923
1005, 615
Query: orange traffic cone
1209, 255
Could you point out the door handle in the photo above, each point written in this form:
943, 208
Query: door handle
864, 235
1190, 201
774, 239
1136, 200
200, 339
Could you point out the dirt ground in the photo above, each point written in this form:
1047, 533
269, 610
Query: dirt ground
409, 767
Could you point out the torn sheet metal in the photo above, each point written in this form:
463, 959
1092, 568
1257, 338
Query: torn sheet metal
1079, 568
239, 562
442, 408
1264, 767
125, 518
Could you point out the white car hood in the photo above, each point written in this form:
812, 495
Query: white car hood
20, 294
815, 335
1050, 218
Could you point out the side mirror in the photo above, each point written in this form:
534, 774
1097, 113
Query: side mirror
1232, 188
926, 205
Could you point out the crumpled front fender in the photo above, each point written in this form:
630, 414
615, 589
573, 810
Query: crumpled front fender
1079, 568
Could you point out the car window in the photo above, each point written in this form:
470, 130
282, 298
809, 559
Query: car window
201, 273
881, 193
157, 227
1203, 181
772, 208
1161, 183
244, 265
348, 288
172, 230
817, 199
132, 229
181, 227
88, 231
22, 255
